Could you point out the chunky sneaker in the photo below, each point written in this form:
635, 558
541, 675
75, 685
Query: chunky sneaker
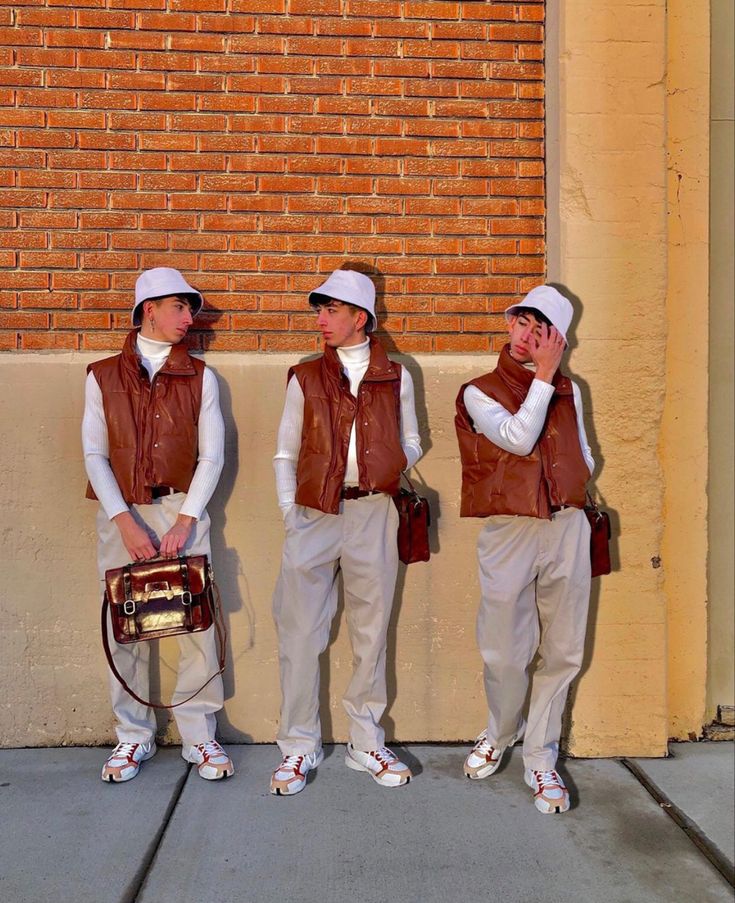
549, 793
124, 761
211, 760
484, 759
383, 764
290, 776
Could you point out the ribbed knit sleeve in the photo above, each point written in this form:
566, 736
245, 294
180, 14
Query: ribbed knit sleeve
410, 439
514, 433
96, 448
211, 449
288, 445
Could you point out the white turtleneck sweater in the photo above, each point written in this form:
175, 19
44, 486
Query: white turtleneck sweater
518, 433
355, 360
211, 437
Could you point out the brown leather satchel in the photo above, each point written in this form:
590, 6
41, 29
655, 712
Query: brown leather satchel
162, 597
414, 517
600, 534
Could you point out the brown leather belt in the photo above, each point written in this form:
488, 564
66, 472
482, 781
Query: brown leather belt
352, 492
555, 508
158, 492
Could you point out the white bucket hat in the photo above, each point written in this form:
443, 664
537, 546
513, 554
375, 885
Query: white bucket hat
549, 302
158, 283
352, 288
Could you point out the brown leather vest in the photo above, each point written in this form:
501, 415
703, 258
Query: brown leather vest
495, 481
329, 412
152, 426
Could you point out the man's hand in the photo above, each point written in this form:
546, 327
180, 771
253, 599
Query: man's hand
177, 537
547, 352
134, 537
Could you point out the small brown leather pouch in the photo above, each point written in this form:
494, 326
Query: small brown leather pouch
600, 534
414, 518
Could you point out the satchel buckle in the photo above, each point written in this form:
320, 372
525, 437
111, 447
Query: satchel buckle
129, 607
186, 597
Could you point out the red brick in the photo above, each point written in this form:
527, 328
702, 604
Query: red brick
78, 240
394, 29
171, 221
81, 321
139, 241
47, 300
52, 341
22, 320
292, 342
109, 261
343, 67
22, 199
462, 343
167, 181
137, 200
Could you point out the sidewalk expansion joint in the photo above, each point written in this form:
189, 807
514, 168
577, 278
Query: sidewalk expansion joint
709, 849
137, 883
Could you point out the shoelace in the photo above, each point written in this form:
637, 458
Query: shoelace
385, 756
547, 779
124, 750
484, 748
291, 763
211, 749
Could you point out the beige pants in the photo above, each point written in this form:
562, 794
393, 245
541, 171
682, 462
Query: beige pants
361, 541
535, 585
197, 653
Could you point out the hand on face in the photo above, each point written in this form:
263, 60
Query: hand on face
546, 350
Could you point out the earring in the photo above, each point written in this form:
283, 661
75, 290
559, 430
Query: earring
153, 324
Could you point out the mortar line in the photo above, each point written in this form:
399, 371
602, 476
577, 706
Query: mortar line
692, 830
136, 885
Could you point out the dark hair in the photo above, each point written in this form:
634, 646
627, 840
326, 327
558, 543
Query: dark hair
324, 301
536, 314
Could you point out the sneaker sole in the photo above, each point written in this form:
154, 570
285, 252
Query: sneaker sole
277, 791
356, 766
111, 779
220, 776
483, 772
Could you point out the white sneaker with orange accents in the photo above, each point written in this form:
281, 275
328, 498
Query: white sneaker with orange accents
290, 776
123, 763
382, 764
484, 759
213, 763
550, 794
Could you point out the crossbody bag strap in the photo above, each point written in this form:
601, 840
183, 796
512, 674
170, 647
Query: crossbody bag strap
220, 630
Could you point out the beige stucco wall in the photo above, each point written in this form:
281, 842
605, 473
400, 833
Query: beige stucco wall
721, 633
52, 665
683, 442
608, 235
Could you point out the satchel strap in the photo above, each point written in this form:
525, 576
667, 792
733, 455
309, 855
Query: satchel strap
220, 630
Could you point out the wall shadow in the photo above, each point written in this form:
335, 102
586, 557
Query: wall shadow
597, 454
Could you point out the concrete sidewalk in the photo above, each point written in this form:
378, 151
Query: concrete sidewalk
170, 836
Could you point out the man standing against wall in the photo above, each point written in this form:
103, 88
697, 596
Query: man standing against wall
525, 465
153, 439
348, 430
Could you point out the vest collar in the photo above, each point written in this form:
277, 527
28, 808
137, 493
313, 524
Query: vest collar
179, 362
380, 368
518, 378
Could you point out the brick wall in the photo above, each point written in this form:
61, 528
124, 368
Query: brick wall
256, 144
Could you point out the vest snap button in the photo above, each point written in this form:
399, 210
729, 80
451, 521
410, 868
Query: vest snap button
155, 445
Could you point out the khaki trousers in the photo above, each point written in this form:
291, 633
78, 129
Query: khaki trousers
197, 653
535, 585
361, 541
